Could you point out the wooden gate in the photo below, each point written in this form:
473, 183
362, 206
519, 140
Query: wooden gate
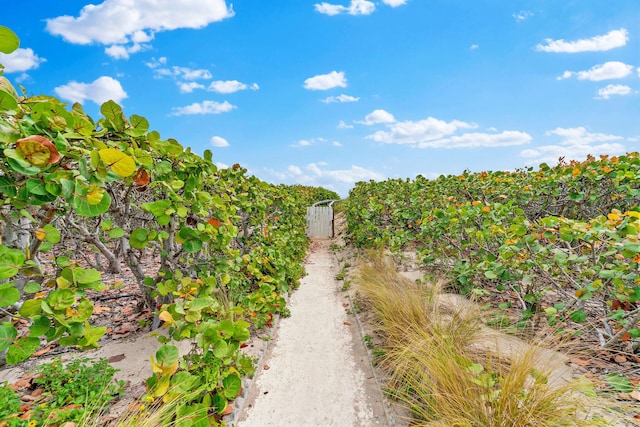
320, 219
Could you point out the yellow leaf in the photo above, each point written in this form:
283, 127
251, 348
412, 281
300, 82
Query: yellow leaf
575, 172
486, 209
120, 163
40, 234
159, 368
613, 217
167, 318
163, 384
95, 195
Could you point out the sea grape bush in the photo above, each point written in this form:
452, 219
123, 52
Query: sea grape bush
563, 240
80, 196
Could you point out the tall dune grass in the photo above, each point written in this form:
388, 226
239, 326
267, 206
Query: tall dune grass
446, 367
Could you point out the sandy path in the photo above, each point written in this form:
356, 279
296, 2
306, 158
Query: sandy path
314, 377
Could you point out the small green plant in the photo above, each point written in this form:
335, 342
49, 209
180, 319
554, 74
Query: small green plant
368, 341
346, 285
76, 390
10, 404
341, 275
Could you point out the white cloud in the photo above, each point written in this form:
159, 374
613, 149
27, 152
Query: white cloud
522, 15
184, 73
474, 46
188, 87
221, 165
336, 144
20, 60
127, 23
343, 125
99, 91
294, 170
326, 81
123, 52
394, 3
205, 107
230, 86
219, 142
413, 133
378, 116
609, 90
607, 71
611, 40
346, 176
357, 7
478, 139
303, 143
575, 144
580, 136
307, 142
340, 98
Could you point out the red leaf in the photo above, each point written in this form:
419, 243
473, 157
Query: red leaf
141, 177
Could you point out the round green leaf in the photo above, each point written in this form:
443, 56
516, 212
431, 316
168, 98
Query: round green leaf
9, 41
9, 296
8, 334
11, 261
22, 349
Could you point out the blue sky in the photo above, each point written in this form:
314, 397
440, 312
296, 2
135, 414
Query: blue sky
331, 93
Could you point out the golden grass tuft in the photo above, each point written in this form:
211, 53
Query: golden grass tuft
451, 370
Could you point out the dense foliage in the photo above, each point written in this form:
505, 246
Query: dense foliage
564, 241
79, 196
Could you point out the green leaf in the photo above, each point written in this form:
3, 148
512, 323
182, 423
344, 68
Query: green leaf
231, 386
86, 276
8, 334
22, 349
139, 238
167, 355
116, 233
31, 307
61, 299
52, 234
11, 261
40, 326
82, 206
8, 186
32, 288
91, 336
9, 41
620, 383
192, 246
7, 102
9, 296
578, 316
490, 275
113, 114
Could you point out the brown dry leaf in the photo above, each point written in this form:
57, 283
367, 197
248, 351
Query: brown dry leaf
266, 367
37, 392
227, 410
23, 383
620, 359
346, 304
69, 424
347, 323
101, 309
116, 358
580, 362
43, 351
635, 394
